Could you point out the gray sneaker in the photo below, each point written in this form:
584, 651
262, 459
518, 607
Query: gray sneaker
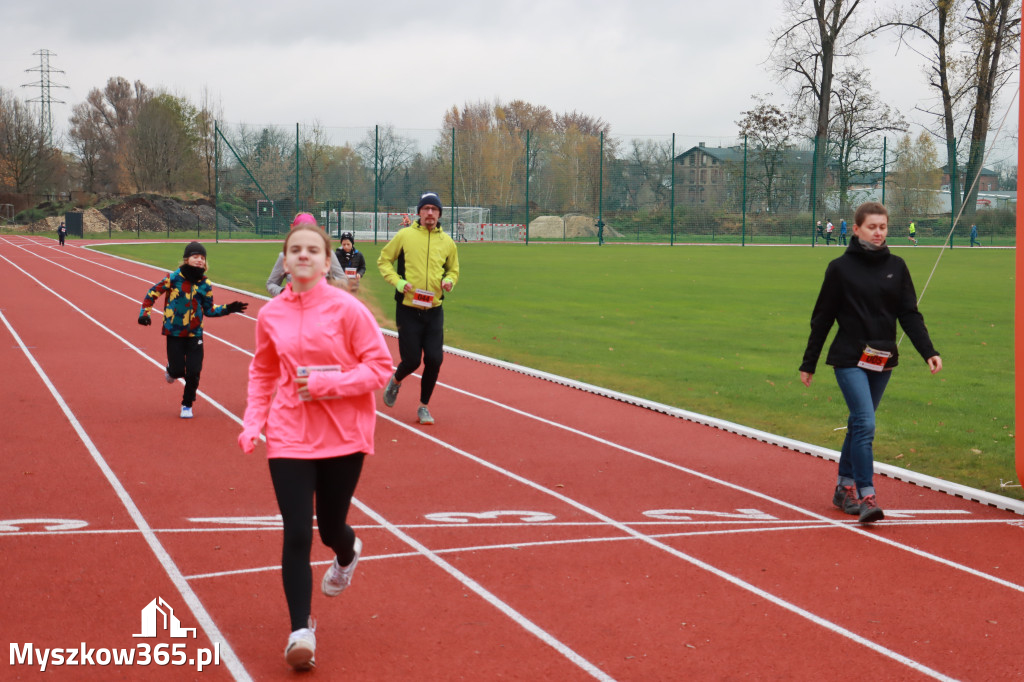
423, 415
391, 392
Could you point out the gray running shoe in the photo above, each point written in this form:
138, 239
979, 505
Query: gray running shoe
423, 415
391, 392
845, 498
869, 510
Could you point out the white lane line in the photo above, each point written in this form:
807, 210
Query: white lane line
738, 582
487, 596
464, 579
184, 589
138, 301
853, 528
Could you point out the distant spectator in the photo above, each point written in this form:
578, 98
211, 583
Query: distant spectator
62, 232
974, 236
352, 262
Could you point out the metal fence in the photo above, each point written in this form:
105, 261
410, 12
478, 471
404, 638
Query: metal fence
565, 185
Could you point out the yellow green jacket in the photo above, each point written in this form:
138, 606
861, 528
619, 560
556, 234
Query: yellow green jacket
420, 257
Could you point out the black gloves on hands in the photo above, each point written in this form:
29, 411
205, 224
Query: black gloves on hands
236, 307
144, 320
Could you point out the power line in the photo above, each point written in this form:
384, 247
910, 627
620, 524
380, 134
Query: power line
45, 99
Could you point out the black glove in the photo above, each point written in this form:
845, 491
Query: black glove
144, 320
236, 307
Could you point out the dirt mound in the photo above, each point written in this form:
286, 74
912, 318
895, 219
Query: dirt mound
568, 226
142, 212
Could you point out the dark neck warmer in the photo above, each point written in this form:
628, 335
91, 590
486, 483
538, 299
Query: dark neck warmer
192, 273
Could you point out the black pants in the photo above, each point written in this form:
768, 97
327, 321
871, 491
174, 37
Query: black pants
61, 237
332, 482
420, 334
185, 359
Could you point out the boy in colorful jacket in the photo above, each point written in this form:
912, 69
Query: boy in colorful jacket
188, 297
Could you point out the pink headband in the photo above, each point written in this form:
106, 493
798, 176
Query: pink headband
304, 219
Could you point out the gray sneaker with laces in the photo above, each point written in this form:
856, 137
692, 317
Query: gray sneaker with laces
391, 392
423, 415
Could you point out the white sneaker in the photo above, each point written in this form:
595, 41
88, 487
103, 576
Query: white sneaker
301, 649
337, 578
186, 412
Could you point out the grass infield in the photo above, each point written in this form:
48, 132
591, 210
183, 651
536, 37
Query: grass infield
720, 330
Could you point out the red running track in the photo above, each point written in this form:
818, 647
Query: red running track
536, 532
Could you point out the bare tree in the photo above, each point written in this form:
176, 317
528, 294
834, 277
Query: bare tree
88, 141
27, 161
108, 118
314, 152
815, 34
915, 178
994, 32
860, 117
769, 131
393, 152
206, 119
967, 66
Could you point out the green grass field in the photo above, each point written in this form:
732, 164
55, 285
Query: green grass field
721, 331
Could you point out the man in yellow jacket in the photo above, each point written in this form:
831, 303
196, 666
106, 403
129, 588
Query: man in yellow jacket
422, 263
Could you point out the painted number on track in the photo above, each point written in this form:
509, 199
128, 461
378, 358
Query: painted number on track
468, 517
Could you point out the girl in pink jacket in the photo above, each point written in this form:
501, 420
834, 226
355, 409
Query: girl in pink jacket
319, 357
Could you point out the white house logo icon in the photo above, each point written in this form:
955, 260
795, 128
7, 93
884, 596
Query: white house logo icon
171, 623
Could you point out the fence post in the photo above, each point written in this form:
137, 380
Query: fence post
814, 195
527, 187
451, 218
600, 192
376, 177
885, 142
672, 196
743, 237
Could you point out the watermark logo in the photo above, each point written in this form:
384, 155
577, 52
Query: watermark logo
158, 620
151, 620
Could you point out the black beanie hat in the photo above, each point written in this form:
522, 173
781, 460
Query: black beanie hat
193, 248
430, 199
349, 237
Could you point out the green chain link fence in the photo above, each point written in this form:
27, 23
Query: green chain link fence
566, 185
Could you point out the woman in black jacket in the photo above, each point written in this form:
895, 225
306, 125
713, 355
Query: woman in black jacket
866, 290
352, 262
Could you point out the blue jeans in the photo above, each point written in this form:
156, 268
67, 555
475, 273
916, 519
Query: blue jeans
862, 390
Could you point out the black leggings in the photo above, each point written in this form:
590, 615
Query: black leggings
185, 359
420, 332
332, 482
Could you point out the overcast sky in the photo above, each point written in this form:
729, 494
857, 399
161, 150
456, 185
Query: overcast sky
647, 67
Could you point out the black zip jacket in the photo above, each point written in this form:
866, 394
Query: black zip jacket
866, 292
351, 259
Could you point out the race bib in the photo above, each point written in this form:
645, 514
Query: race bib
351, 272
306, 371
423, 298
873, 359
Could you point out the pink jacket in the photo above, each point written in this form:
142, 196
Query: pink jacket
321, 327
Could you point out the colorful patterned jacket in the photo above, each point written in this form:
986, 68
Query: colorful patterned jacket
185, 304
